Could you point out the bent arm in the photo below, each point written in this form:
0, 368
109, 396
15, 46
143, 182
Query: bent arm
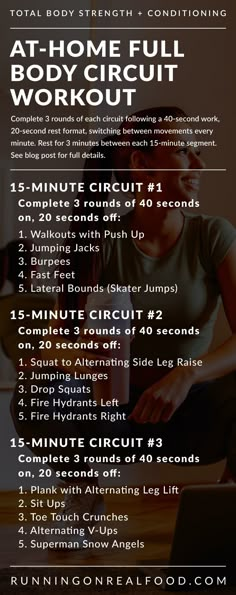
162, 399
222, 360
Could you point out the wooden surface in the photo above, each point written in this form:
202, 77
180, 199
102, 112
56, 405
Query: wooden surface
151, 519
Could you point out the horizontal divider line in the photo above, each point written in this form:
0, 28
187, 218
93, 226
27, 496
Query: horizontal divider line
127, 28
99, 169
115, 566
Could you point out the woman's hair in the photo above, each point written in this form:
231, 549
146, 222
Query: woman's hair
138, 127
3, 266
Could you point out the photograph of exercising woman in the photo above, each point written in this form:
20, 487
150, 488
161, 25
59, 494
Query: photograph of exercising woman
183, 264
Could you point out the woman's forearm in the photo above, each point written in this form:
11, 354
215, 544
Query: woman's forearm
217, 363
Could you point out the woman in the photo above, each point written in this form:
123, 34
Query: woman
186, 395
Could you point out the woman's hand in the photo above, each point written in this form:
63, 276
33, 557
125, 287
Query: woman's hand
162, 399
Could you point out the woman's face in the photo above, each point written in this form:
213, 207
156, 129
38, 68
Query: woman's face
184, 183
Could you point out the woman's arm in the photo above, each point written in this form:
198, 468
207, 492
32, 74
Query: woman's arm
160, 401
222, 360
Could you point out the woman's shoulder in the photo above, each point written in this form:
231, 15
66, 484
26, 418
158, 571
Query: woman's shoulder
214, 234
210, 226
207, 221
